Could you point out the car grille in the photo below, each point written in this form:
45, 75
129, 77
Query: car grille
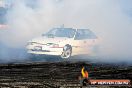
40, 50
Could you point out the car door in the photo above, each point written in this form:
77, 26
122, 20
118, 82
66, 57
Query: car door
78, 43
84, 41
89, 40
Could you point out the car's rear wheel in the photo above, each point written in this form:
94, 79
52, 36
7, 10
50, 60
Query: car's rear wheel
67, 51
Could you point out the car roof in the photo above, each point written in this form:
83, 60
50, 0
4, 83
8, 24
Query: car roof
72, 29
65, 28
83, 29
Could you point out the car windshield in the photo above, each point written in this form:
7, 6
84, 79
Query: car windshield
61, 32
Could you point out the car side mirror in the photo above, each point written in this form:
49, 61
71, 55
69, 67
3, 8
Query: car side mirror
77, 36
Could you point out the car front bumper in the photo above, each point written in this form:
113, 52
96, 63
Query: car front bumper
44, 50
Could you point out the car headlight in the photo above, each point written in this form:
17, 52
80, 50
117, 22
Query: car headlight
31, 43
52, 45
37, 48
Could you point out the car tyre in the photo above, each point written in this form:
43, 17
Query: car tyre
67, 51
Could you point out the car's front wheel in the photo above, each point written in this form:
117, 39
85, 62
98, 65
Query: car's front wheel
67, 51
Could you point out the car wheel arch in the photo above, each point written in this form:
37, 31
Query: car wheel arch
69, 46
66, 53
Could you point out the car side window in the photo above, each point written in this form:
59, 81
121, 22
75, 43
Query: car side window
79, 35
89, 34
84, 34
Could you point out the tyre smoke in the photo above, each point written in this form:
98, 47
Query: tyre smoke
107, 19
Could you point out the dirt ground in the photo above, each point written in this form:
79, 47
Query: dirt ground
58, 74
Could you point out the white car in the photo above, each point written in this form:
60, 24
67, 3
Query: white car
65, 42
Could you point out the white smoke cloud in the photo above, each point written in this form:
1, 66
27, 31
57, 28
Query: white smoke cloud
105, 18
